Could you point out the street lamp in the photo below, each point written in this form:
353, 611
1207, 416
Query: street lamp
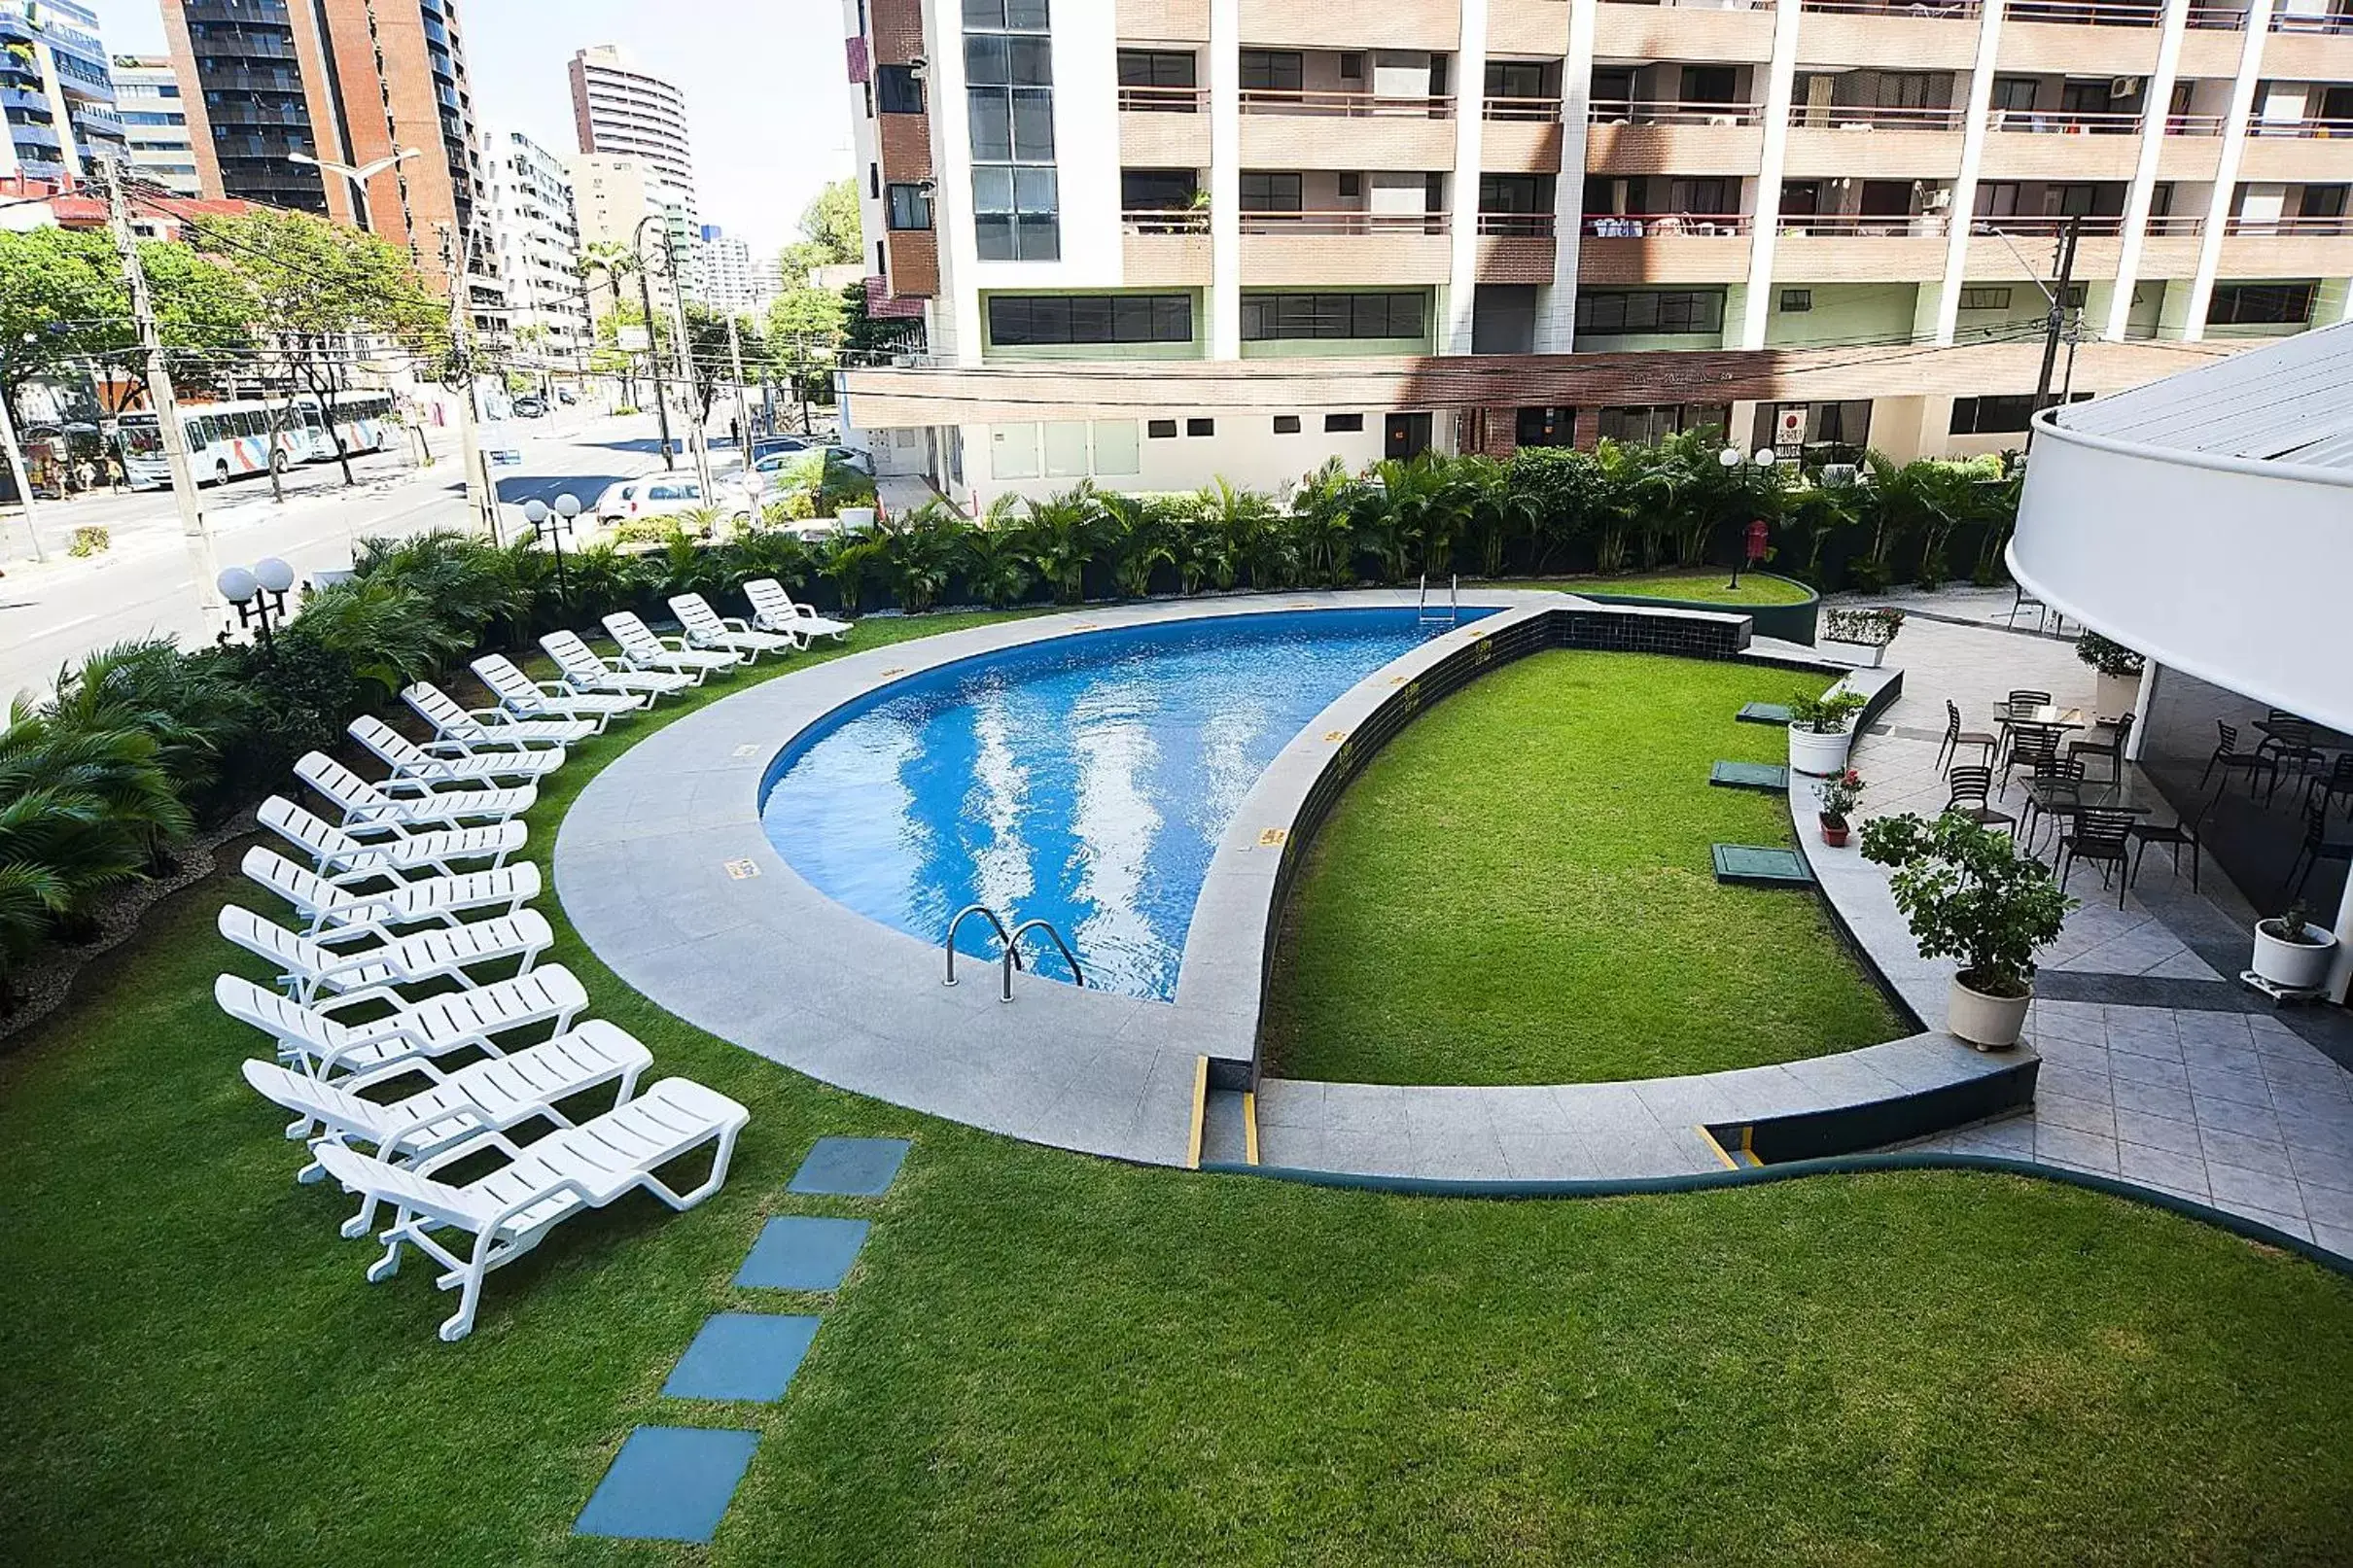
1752, 541
549, 528
360, 174
257, 594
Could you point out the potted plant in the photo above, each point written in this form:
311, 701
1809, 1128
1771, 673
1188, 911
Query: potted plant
2292, 952
1970, 896
1873, 629
1820, 729
2117, 689
1838, 795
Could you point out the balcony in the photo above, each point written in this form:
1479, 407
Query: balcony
1517, 247
2295, 151
2309, 47
1528, 27
1344, 247
1663, 248
1866, 142
1732, 34
2098, 246
1347, 130
1852, 248
2061, 145
1671, 137
2171, 246
1165, 22
1162, 249
1868, 33
2061, 38
1166, 127
1521, 136
1406, 24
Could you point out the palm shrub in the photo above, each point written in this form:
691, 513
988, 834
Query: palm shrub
996, 555
1927, 500
1138, 533
195, 708
1558, 490
1323, 512
390, 634
918, 552
1059, 534
82, 810
469, 583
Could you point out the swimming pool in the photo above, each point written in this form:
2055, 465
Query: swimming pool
1084, 781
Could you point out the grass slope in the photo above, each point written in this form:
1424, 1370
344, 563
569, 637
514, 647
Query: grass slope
1047, 1358
1518, 890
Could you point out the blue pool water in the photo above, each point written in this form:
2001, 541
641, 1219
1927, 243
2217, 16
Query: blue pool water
1084, 781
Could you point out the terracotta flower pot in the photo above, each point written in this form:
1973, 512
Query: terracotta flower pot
1833, 829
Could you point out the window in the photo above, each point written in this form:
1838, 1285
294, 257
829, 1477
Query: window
1515, 79
1352, 66
1201, 427
1014, 214
1612, 313
1986, 298
1156, 190
1009, 95
1019, 320
1343, 424
910, 208
874, 181
1266, 70
897, 91
1649, 424
1156, 69
1515, 192
1160, 430
2003, 415
1795, 301
1287, 424
1272, 317
1545, 427
2259, 303
1270, 193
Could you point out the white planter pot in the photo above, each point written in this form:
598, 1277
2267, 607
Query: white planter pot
1988, 1023
2291, 966
2112, 696
1818, 754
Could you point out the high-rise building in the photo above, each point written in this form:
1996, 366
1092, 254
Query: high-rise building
155, 123
538, 242
58, 115
733, 279
620, 110
1475, 223
611, 195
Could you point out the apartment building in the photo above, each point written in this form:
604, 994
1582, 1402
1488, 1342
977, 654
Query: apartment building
611, 195
619, 110
58, 115
537, 241
155, 123
732, 277
1470, 224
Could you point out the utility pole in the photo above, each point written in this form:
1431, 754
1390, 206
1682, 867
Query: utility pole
481, 501
2055, 323
166, 401
653, 357
24, 480
743, 408
686, 368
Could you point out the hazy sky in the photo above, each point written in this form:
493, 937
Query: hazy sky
767, 93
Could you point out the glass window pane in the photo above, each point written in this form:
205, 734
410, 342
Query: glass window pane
984, 13
1034, 190
985, 61
1013, 451
1172, 318
1257, 318
993, 188
1115, 447
1029, 61
1131, 318
992, 236
1370, 316
1090, 320
992, 120
1026, 15
1038, 239
1032, 126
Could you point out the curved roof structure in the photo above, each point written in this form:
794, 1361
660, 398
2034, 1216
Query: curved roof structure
2289, 402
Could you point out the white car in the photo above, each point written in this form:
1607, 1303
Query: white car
658, 496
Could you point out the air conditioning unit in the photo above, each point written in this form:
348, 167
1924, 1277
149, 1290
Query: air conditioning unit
2124, 86
1937, 200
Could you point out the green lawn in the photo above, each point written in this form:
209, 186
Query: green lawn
1518, 890
1048, 1358
1705, 583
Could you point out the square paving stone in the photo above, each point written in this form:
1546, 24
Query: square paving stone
1761, 865
668, 1483
851, 1168
742, 1355
1763, 712
1770, 775
803, 1252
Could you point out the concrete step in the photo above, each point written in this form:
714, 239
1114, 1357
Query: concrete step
1225, 1131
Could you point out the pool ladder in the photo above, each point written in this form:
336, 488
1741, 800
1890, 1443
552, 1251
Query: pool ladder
1426, 613
1010, 941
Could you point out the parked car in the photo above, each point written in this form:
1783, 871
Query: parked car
658, 496
863, 462
529, 407
776, 455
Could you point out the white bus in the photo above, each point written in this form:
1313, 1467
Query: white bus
231, 440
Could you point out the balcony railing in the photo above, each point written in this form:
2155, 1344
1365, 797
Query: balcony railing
1164, 100
2020, 225
2311, 126
2064, 121
2289, 226
2218, 18
1861, 225
2194, 124
1873, 117
1545, 111
1519, 225
1950, 11
1165, 220
1705, 5
2176, 225
1344, 221
1671, 112
2087, 13
1666, 225
2284, 22
1346, 105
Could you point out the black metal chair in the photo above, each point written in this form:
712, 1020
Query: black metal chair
2175, 835
2227, 757
1956, 737
2017, 702
1972, 789
2338, 781
2056, 791
2316, 848
2101, 836
2119, 734
2290, 741
2036, 746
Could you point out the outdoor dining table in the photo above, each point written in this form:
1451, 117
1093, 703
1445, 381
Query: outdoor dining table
2047, 716
2088, 794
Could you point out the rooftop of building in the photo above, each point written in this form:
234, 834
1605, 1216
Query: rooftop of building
2288, 403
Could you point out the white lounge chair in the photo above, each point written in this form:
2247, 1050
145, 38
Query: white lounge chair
310, 1037
329, 905
706, 628
773, 610
491, 1095
511, 1210
308, 966
333, 852
464, 730
545, 701
407, 802
640, 649
409, 760
583, 671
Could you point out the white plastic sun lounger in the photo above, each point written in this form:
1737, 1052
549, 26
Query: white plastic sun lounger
310, 1037
334, 852
405, 802
511, 1210
548, 701
328, 904
308, 966
409, 760
706, 628
640, 649
491, 1095
773, 610
582, 671
465, 732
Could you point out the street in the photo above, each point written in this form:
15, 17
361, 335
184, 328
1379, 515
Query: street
144, 585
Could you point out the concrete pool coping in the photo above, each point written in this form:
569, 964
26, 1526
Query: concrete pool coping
665, 869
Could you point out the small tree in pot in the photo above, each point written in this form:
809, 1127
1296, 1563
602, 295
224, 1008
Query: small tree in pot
1970, 896
1819, 729
2118, 686
2292, 952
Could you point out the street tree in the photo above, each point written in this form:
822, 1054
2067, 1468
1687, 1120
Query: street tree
831, 235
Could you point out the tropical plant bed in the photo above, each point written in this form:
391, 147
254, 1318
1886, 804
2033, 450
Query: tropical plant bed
1037, 1358
1518, 890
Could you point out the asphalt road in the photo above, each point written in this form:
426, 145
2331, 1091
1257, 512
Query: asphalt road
144, 585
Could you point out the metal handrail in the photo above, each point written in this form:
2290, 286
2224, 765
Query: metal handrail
2311, 126
1004, 937
1518, 225
1871, 116
1671, 112
1545, 111
1013, 958
2064, 121
1340, 221
1350, 103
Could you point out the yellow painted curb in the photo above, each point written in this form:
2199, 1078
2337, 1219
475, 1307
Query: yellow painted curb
1249, 1126
1201, 1108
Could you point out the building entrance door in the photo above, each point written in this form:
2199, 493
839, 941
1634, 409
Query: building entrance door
1405, 435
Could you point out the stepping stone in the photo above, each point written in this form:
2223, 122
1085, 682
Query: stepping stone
851, 1168
1761, 865
1762, 713
803, 1252
668, 1483
1768, 776
742, 1355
